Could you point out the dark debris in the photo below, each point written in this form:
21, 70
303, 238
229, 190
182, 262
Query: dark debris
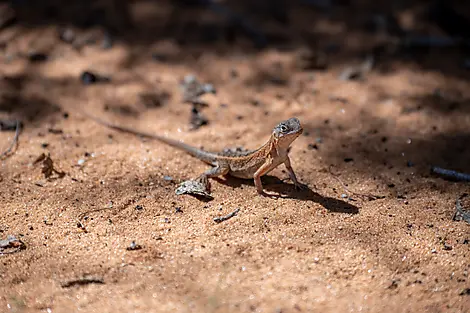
197, 119
134, 246
462, 208
226, 217
193, 89
195, 188
48, 168
11, 245
82, 282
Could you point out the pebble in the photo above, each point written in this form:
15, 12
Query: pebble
37, 57
88, 78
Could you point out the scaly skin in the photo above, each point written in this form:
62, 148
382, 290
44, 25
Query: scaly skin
244, 164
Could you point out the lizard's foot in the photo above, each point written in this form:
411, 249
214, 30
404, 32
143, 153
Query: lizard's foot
204, 180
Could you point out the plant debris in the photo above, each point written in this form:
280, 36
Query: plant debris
11, 245
462, 211
193, 89
195, 188
82, 282
48, 166
226, 217
197, 119
6, 125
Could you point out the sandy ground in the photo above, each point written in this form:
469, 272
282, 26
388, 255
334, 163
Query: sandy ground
324, 249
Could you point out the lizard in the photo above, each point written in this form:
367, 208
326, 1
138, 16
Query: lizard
250, 164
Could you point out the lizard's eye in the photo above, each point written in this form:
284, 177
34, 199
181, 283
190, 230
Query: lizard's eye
283, 128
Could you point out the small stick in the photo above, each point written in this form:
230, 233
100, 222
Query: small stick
15, 140
82, 281
226, 217
450, 174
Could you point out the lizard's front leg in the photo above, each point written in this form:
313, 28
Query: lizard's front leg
292, 176
265, 168
219, 170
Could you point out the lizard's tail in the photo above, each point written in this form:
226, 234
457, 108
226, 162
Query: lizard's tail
207, 157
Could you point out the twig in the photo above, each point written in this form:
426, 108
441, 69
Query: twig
450, 174
226, 217
369, 197
14, 141
82, 281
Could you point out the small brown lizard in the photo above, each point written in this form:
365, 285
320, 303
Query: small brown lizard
242, 164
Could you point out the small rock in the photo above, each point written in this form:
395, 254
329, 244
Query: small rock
312, 146
134, 246
88, 78
9, 125
37, 57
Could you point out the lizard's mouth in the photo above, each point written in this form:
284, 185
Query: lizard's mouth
297, 132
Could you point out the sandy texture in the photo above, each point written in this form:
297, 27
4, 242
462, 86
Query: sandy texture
306, 251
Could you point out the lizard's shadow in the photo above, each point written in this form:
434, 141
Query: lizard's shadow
284, 190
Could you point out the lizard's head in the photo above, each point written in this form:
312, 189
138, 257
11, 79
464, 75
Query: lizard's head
287, 131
